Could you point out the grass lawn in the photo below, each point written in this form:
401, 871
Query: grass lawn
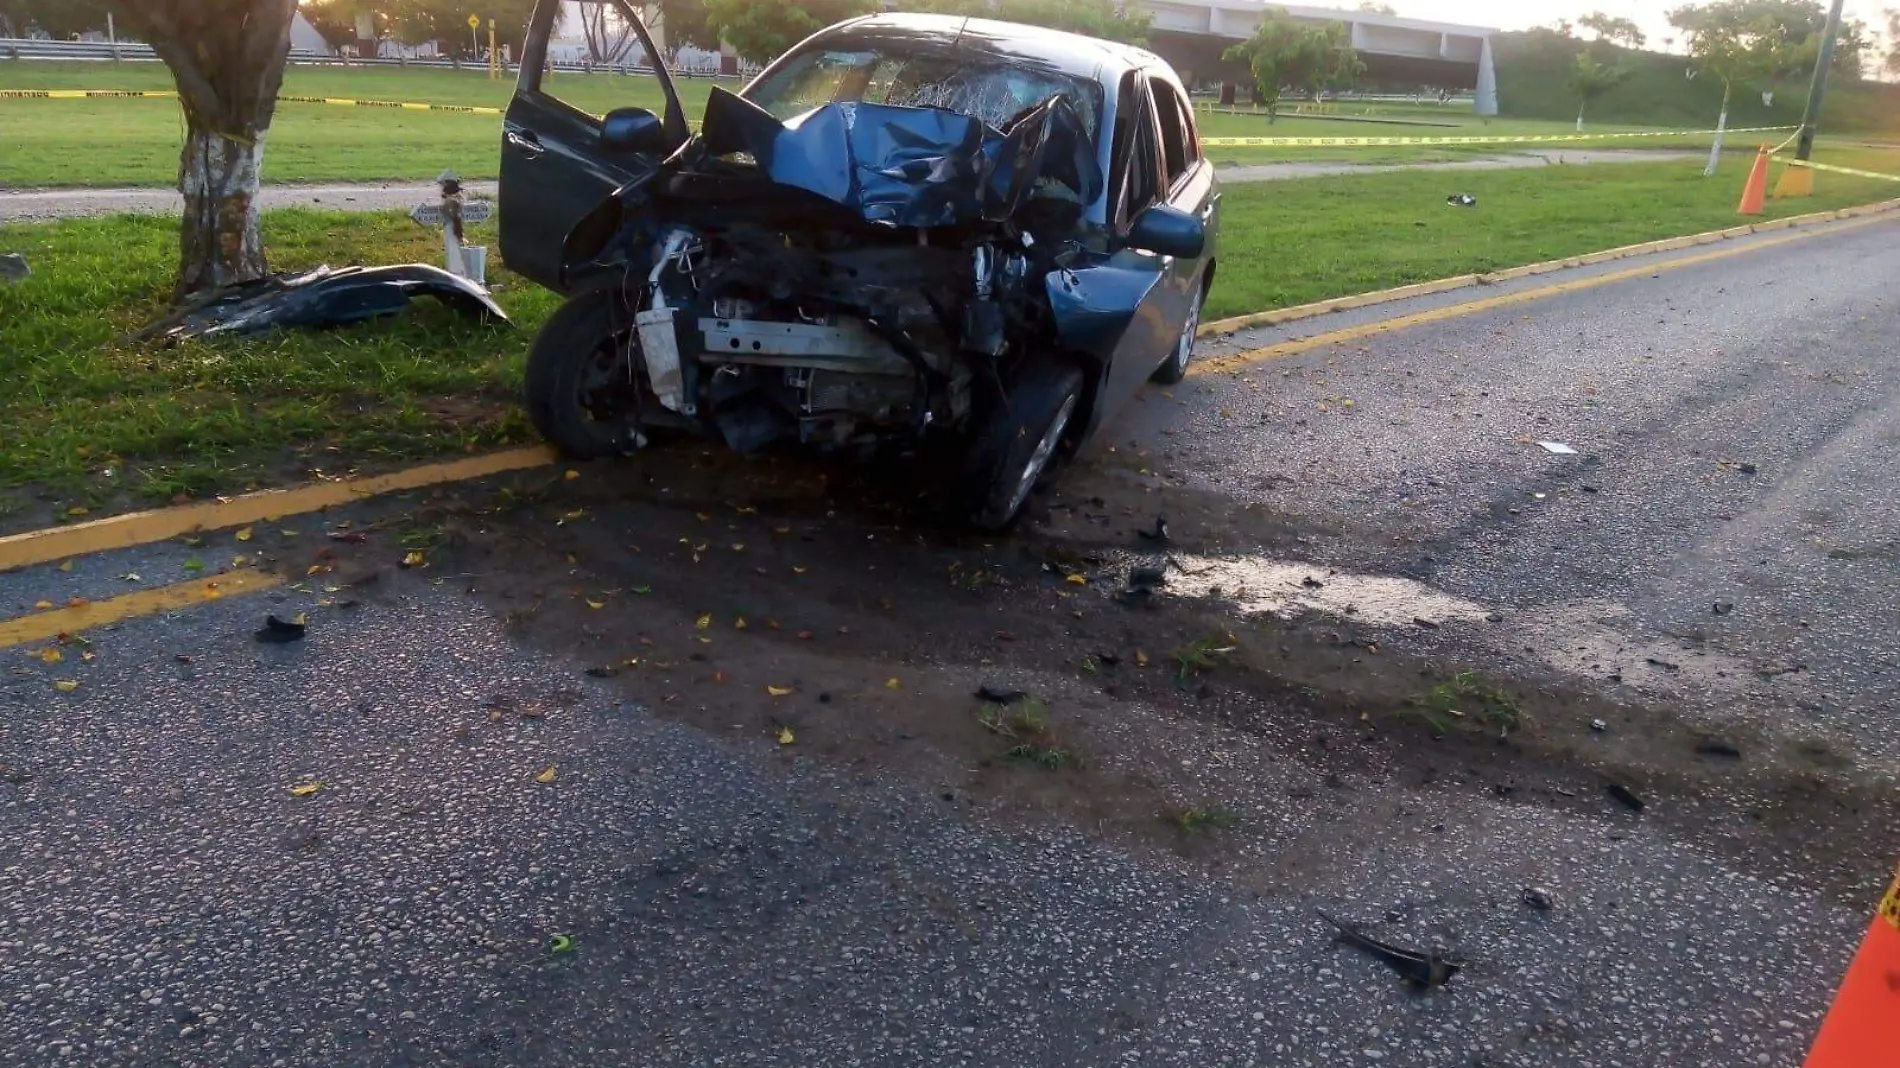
98, 423
135, 141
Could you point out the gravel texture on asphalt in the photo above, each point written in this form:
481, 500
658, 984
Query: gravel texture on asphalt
166, 899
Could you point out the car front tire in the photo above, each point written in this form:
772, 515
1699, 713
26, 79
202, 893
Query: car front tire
573, 364
1021, 443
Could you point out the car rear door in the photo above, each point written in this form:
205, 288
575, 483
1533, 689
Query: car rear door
552, 169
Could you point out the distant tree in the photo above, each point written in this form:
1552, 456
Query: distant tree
1892, 62
608, 34
60, 20
1285, 52
1590, 79
762, 30
1614, 30
684, 22
1371, 8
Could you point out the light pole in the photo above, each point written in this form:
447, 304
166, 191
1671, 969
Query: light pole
1818, 87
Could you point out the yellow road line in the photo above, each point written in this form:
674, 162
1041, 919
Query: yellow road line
1281, 350
46, 626
143, 528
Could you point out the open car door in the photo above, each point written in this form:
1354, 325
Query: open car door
554, 167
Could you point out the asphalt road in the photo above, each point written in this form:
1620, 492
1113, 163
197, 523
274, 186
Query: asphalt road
165, 899
28, 205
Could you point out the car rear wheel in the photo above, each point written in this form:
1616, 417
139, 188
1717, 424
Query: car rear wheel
1174, 369
1021, 443
582, 388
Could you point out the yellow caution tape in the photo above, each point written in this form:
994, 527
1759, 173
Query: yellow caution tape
1500, 139
1208, 142
170, 94
1842, 170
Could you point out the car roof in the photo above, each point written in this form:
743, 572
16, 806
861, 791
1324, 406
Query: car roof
1071, 53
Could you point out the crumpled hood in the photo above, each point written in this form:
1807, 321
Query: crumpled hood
911, 167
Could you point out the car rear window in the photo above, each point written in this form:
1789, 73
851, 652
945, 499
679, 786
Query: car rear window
988, 90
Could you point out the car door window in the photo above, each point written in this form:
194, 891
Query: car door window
1140, 165
1179, 147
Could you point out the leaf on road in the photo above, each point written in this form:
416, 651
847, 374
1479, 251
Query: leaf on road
194, 565
569, 517
240, 560
546, 776
1141, 658
784, 736
42, 606
50, 655
305, 789
571, 474
703, 622
66, 565
414, 558
641, 591
78, 509
798, 570
318, 569
131, 576
1078, 580
804, 635
778, 691
738, 546
596, 605
738, 623
892, 683
243, 534
66, 685
561, 943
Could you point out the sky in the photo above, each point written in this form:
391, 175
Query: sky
1522, 14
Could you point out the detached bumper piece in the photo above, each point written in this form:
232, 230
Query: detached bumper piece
329, 297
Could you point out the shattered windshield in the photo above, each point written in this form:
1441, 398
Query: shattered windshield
991, 91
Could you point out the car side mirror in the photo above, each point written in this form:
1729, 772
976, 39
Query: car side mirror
634, 130
1166, 230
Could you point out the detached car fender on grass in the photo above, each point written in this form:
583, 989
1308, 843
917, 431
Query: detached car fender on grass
911, 232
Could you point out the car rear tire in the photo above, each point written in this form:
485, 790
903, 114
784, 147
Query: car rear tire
1015, 451
1174, 368
577, 383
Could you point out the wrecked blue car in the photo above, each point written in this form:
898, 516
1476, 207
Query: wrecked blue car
910, 231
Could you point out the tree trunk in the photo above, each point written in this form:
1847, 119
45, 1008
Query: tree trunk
227, 58
219, 243
1580, 107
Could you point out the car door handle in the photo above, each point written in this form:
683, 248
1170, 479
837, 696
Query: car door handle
527, 143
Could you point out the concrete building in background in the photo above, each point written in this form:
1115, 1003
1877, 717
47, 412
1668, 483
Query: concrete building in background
1193, 35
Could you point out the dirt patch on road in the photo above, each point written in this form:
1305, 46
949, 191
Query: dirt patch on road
1088, 672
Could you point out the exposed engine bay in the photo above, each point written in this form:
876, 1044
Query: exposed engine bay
861, 275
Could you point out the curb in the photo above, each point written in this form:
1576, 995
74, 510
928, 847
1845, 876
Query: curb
144, 528
1277, 317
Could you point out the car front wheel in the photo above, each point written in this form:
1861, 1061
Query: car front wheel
1024, 437
581, 391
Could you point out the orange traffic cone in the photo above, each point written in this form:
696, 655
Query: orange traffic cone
1756, 191
1862, 1029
